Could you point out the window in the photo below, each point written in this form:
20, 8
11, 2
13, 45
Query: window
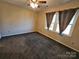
55, 24
68, 31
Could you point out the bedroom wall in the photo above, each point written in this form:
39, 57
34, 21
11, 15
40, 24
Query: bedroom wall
15, 19
73, 41
0, 28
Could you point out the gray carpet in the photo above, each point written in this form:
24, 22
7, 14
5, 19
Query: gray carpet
34, 46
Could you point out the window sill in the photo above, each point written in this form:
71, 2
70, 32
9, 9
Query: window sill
63, 35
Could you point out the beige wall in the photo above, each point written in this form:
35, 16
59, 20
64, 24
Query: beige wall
73, 41
16, 20
0, 21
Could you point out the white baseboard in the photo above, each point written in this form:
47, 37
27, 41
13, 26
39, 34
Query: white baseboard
16, 33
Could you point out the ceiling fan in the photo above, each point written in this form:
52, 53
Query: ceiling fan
37, 3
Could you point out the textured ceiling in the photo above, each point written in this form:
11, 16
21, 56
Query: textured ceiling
50, 3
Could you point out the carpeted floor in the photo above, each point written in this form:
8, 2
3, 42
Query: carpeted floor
34, 46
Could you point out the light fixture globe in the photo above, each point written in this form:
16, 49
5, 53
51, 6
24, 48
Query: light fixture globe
34, 1
34, 5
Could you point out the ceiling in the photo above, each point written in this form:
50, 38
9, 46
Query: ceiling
50, 3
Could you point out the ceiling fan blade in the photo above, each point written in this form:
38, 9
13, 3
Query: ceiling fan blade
42, 6
42, 2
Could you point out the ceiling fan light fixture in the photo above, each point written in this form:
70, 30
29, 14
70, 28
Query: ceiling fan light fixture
34, 1
34, 5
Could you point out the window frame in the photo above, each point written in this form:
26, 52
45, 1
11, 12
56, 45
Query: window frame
72, 24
